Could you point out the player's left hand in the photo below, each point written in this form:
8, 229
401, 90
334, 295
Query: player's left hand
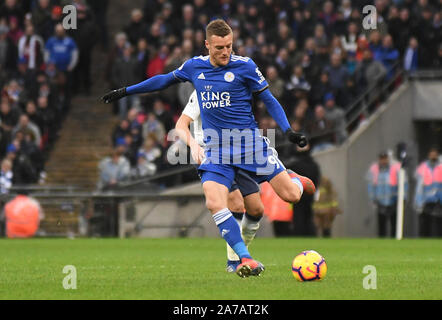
296, 138
197, 154
114, 95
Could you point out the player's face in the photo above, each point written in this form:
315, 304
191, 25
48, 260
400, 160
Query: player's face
220, 49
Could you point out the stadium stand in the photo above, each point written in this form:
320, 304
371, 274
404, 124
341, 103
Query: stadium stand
317, 57
328, 72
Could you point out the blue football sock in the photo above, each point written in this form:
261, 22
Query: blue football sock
230, 231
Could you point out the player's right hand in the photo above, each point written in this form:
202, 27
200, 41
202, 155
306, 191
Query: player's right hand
114, 95
296, 138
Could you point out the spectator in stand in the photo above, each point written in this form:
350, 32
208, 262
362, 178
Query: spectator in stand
320, 37
276, 84
124, 74
116, 52
157, 64
337, 72
25, 125
320, 88
388, 55
321, 130
41, 18
369, 71
99, 9
375, 43
23, 170
282, 63
34, 115
301, 117
47, 117
11, 8
56, 17
62, 50
411, 56
349, 94
149, 156
32, 152
85, 37
9, 117
428, 35
137, 28
153, 125
163, 115
8, 54
142, 55
6, 176
15, 32
24, 76
336, 115
349, 41
298, 80
327, 17
187, 20
113, 169
120, 131
131, 148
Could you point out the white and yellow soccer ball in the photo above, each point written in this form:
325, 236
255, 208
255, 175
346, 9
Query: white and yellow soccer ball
309, 266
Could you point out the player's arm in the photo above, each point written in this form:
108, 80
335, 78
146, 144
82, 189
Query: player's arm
183, 131
190, 113
277, 112
155, 83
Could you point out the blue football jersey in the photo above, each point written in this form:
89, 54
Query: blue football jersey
224, 93
225, 100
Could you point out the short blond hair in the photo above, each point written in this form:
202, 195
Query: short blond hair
218, 28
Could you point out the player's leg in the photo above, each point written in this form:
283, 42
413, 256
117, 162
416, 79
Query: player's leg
216, 189
216, 201
290, 187
253, 205
252, 217
235, 203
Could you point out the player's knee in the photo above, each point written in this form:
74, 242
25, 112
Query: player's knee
236, 205
257, 210
235, 201
214, 205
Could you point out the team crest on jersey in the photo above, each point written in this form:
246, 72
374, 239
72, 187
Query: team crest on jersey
229, 76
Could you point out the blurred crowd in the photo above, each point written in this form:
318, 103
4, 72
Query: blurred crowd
42, 65
315, 55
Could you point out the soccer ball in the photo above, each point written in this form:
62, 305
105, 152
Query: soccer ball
309, 266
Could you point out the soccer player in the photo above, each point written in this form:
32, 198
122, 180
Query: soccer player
244, 192
225, 83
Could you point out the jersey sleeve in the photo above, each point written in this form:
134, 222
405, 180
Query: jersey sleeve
254, 78
192, 109
184, 73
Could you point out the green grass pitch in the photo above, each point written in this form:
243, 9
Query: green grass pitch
180, 269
